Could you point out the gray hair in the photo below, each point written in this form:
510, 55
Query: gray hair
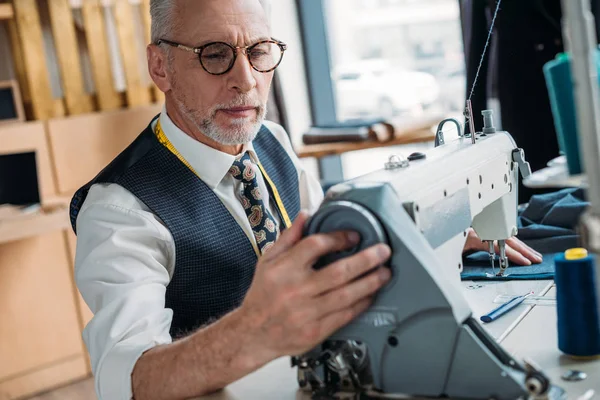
162, 13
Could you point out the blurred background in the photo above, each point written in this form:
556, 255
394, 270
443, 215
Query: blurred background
380, 46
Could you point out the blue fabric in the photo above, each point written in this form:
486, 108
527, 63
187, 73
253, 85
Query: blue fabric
547, 224
475, 276
214, 259
477, 267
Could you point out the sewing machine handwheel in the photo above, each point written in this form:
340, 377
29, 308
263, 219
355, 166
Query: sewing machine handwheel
345, 216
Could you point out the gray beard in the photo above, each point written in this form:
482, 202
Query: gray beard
236, 135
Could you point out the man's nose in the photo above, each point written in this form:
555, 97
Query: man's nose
241, 76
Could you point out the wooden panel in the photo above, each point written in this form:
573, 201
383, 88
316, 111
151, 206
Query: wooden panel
30, 35
83, 145
6, 12
59, 108
38, 316
63, 29
137, 93
26, 137
29, 225
85, 314
145, 10
84, 311
95, 33
53, 376
19, 64
159, 96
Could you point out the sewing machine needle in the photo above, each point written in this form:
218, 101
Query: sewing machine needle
503, 258
469, 113
492, 253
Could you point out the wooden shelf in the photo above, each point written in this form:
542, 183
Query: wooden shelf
6, 12
421, 134
17, 226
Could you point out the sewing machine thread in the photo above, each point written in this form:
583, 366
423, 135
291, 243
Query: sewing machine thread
576, 304
487, 43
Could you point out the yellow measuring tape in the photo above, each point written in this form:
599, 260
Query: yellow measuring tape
162, 138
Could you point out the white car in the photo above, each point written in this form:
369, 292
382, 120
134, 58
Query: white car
382, 92
453, 84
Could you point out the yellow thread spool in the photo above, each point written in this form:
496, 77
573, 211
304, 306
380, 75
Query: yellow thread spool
576, 254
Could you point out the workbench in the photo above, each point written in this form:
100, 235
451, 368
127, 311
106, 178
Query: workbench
528, 331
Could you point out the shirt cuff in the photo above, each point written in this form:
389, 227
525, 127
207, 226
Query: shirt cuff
113, 379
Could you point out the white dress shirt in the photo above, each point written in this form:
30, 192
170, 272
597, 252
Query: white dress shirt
126, 257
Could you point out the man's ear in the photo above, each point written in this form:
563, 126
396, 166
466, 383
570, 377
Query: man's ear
157, 67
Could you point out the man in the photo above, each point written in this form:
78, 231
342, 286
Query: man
176, 237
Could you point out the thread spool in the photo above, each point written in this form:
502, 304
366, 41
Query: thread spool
576, 304
488, 122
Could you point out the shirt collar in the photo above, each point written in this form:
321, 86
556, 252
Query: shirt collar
210, 164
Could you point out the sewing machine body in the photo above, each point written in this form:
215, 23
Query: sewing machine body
456, 186
418, 337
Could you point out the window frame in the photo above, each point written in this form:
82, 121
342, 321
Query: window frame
317, 61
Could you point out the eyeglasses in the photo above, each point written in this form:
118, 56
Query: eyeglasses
217, 58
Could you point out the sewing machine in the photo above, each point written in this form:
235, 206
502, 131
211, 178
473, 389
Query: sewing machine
418, 337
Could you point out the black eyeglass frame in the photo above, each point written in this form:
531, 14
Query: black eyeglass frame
198, 50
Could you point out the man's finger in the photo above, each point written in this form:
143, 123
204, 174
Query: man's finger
343, 297
516, 256
347, 269
289, 237
315, 246
527, 251
336, 320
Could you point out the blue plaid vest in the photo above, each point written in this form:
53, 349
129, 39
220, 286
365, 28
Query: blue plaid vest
214, 259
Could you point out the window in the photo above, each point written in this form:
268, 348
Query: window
385, 58
393, 59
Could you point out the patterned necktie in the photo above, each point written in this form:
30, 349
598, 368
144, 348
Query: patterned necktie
263, 225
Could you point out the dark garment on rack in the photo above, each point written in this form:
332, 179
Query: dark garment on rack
527, 34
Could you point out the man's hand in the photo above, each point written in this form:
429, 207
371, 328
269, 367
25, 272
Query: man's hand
516, 251
290, 307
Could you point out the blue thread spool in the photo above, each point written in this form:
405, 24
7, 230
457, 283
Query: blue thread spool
576, 304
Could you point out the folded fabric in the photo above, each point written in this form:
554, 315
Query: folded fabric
547, 224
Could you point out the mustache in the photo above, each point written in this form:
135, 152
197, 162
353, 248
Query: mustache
239, 102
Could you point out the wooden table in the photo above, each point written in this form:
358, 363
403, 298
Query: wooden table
527, 331
536, 337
